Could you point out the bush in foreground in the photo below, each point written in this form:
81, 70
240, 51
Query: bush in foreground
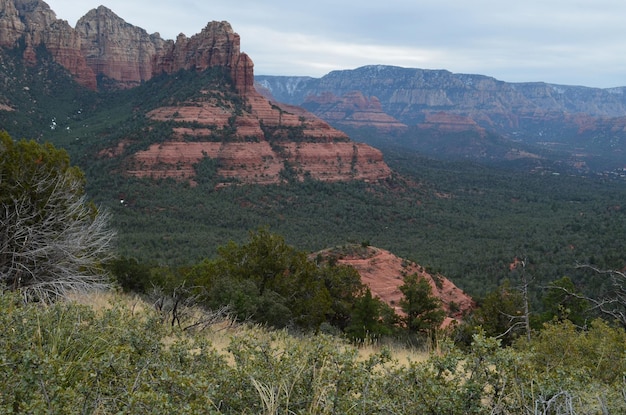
52, 240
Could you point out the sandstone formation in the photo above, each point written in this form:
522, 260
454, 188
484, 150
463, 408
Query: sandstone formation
118, 50
259, 163
450, 123
129, 55
267, 138
253, 145
383, 272
582, 123
104, 45
353, 110
33, 23
322, 152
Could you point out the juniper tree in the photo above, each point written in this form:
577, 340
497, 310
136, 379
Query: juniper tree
423, 310
52, 239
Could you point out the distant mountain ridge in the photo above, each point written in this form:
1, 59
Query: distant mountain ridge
588, 122
398, 87
441, 114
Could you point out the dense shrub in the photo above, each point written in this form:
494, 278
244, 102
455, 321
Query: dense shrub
68, 358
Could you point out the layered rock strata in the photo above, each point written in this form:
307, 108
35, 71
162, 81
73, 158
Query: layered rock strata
260, 142
259, 163
104, 45
323, 153
353, 109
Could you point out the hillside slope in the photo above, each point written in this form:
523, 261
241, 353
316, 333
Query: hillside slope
383, 273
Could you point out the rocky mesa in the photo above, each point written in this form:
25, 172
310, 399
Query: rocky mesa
104, 47
572, 124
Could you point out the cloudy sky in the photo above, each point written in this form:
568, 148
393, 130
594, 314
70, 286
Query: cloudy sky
572, 42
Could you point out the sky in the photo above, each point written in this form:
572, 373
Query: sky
569, 42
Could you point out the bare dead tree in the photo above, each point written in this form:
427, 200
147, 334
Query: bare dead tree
182, 308
52, 240
523, 320
613, 302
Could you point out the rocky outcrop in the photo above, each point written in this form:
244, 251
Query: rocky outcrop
216, 45
263, 146
573, 123
11, 26
405, 92
259, 163
383, 273
128, 55
118, 50
450, 123
352, 110
104, 45
32, 23
259, 142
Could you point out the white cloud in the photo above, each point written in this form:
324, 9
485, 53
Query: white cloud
559, 41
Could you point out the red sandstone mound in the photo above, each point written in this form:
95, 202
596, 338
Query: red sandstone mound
383, 273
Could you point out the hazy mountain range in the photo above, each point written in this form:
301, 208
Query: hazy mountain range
468, 116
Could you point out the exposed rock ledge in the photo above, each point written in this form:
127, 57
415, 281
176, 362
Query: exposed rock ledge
258, 163
260, 147
383, 271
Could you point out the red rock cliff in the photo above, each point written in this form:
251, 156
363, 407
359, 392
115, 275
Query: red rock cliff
35, 24
103, 44
216, 45
353, 109
116, 49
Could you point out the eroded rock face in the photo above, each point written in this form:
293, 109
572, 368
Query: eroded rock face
383, 273
11, 26
259, 163
584, 122
103, 44
116, 49
34, 23
216, 45
261, 141
267, 139
451, 123
353, 109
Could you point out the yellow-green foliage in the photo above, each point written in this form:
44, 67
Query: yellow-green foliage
70, 358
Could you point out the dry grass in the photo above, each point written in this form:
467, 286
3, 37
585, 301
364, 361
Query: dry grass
108, 299
221, 331
399, 353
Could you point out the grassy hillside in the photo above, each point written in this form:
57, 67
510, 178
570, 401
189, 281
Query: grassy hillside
124, 357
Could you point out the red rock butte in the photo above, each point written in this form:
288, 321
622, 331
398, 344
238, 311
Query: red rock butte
104, 46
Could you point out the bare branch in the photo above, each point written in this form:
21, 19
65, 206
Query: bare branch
52, 241
612, 303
